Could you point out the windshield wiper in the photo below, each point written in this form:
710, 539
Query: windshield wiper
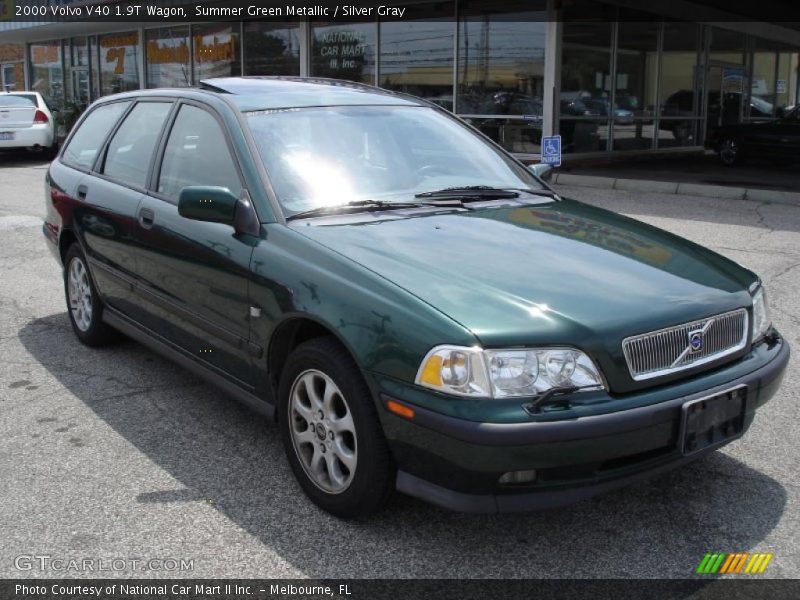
355, 206
478, 192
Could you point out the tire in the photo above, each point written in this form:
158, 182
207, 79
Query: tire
730, 152
682, 133
336, 449
51, 152
84, 307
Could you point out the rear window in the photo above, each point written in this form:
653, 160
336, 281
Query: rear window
87, 140
17, 101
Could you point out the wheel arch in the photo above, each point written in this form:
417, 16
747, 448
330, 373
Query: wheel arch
289, 334
66, 238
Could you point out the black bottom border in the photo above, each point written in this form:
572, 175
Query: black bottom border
397, 589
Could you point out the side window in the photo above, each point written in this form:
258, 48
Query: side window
131, 149
85, 144
196, 154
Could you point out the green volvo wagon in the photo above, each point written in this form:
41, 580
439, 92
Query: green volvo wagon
416, 308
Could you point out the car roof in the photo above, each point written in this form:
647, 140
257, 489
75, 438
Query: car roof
249, 94
264, 93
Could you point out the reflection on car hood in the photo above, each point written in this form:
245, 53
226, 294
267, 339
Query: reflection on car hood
561, 272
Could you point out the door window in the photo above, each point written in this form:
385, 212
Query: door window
196, 154
87, 140
131, 148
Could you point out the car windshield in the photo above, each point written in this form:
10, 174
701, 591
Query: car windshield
330, 156
761, 105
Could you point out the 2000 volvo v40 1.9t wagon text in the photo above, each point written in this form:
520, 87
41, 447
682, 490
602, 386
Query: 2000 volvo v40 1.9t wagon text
415, 307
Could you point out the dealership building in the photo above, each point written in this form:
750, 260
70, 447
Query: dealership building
609, 77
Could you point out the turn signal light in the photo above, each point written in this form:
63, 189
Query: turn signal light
400, 410
40, 117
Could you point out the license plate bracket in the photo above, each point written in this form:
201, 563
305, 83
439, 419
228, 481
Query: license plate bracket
712, 420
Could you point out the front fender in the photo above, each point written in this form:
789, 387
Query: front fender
386, 329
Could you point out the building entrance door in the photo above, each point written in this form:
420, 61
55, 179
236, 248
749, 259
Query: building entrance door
80, 86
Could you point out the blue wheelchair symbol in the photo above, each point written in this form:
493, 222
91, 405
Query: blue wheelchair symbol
551, 150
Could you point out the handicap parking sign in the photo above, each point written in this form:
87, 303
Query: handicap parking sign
551, 150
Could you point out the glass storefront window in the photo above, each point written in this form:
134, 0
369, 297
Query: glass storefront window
500, 70
95, 67
762, 83
726, 46
216, 51
119, 62
786, 88
167, 57
47, 72
635, 85
344, 51
500, 66
80, 52
271, 49
585, 86
679, 91
416, 57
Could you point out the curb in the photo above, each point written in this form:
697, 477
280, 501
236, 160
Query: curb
672, 187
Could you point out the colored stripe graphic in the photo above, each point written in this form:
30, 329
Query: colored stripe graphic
735, 563
711, 563
740, 564
728, 562
718, 563
768, 557
702, 566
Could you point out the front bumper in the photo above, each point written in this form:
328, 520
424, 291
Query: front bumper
456, 463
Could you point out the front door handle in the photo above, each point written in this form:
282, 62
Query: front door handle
82, 191
146, 218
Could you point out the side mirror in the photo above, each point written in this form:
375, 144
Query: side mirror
542, 171
208, 203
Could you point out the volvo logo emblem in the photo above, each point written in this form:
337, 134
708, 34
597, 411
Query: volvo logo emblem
696, 340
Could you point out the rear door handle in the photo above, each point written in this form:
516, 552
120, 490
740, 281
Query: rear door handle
146, 218
82, 191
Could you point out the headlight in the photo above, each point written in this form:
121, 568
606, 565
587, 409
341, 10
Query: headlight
506, 373
761, 322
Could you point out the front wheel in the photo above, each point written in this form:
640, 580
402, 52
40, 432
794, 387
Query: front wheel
84, 306
331, 433
729, 151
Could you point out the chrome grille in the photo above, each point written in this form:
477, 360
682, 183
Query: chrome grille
669, 350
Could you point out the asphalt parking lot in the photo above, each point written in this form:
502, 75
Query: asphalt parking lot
117, 453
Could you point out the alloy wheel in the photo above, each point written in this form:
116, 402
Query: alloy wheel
728, 151
80, 294
323, 431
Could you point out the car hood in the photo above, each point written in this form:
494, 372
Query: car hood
554, 273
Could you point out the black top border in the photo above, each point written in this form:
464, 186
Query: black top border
786, 13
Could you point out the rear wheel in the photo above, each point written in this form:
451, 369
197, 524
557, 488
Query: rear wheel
331, 433
84, 307
682, 132
729, 151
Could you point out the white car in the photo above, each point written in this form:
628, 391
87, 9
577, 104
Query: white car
26, 122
